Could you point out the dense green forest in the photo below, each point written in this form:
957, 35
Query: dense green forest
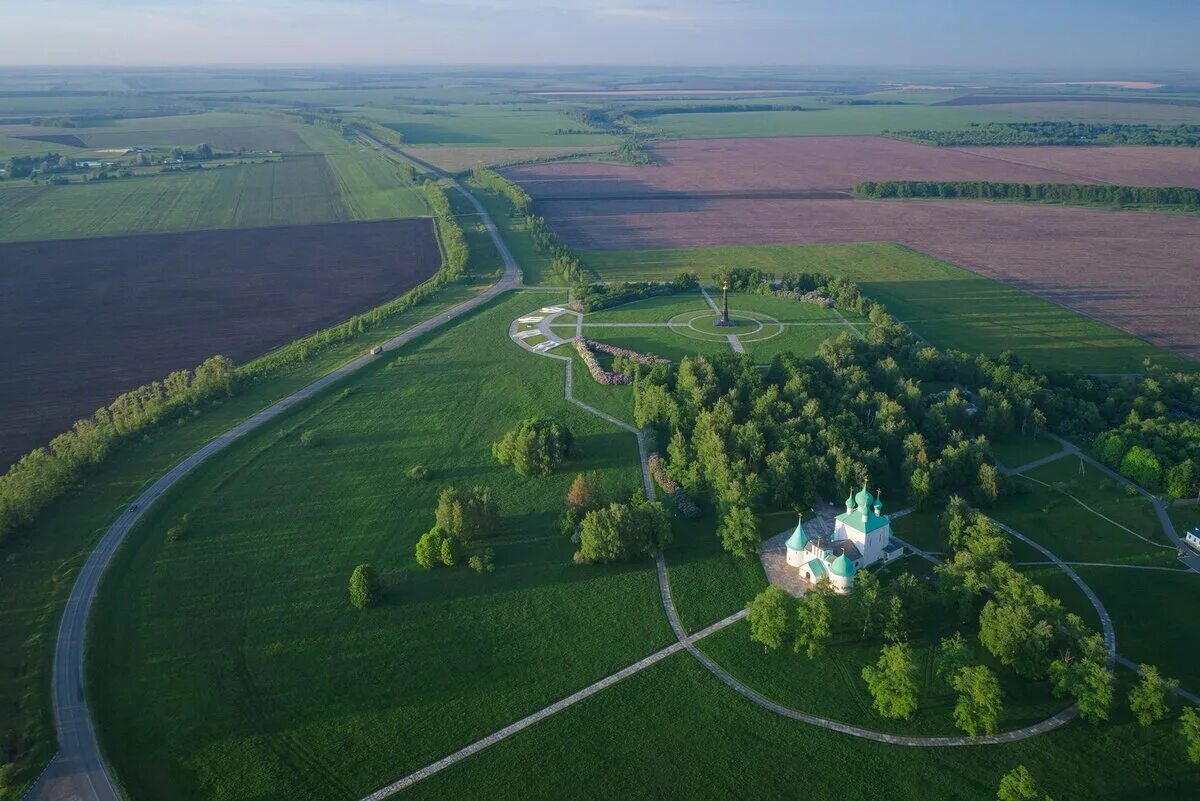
1176, 197
1058, 133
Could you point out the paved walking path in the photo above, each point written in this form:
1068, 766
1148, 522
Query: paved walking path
79, 771
848, 324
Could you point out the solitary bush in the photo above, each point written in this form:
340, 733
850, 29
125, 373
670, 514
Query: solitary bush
437, 547
535, 447
418, 472
483, 562
364, 587
310, 439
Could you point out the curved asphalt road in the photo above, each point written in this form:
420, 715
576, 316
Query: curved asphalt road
79, 771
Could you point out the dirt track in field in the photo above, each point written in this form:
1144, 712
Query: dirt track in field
835, 163
83, 320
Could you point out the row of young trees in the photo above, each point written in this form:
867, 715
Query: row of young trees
593, 297
1058, 133
454, 244
1178, 197
43, 475
563, 260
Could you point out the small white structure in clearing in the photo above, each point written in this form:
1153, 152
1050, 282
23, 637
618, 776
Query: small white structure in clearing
861, 536
1192, 538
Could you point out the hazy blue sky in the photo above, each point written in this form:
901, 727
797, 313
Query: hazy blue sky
1007, 33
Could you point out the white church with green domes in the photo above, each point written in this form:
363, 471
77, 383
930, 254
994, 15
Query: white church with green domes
861, 536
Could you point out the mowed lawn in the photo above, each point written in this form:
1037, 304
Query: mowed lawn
674, 731
949, 306
231, 665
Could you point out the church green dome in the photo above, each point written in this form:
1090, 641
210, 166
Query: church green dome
850, 500
842, 566
864, 499
799, 539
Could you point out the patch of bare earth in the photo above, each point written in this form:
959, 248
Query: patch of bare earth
83, 320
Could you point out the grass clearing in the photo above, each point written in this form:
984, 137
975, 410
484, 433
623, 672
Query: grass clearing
1017, 450
670, 729
1078, 533
263, 677
949, 306
487, 126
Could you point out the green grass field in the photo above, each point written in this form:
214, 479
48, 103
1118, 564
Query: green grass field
486, 125
1098, 523
674, 731
38, 567
949, 306
276, 679
1017, 450
824, 121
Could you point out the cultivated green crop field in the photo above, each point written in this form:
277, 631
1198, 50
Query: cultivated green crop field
277, 684
949, 306
488, 125
824, 121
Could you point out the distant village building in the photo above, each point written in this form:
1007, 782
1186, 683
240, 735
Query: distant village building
861, 536
1192, 538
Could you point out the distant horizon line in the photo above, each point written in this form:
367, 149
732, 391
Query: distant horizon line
381, 65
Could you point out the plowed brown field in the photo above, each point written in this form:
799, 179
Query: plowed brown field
83, 320
835, 163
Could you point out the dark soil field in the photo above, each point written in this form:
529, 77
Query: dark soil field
1134, 270
835, 163
69, 140
83, 320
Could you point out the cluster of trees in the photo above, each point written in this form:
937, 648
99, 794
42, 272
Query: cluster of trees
1070, 194
842, 291
563, 260
623, 531
46, 473
1157, 444
24, 166
454, 244
774, 618
1059, 133
632, 150
535, 447
810, 428
612, 531
593, 297
462, 519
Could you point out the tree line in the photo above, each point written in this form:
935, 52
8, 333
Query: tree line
1058, 133
1071, 194
563, 260
450, 234
593, 297
42, 475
